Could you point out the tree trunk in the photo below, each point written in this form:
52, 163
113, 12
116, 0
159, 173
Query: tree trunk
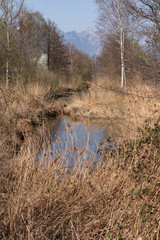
8, 43
123, 78
7, 61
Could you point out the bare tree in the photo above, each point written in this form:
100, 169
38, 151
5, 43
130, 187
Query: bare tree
57, 51
30, 42
148, 11
7, 18
113, 17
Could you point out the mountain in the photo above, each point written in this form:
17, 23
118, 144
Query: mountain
86, 41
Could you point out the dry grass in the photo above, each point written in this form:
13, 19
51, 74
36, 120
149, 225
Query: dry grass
117, 201
123, 111
58, 80
22, 108
120, 200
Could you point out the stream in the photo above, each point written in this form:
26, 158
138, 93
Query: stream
72, 143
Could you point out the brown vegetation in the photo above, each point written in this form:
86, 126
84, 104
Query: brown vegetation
117, 201
22, 108
116, 197
123, 111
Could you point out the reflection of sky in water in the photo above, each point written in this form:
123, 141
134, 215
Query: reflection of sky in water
74, 141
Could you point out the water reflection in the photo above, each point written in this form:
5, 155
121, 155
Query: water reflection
74, 143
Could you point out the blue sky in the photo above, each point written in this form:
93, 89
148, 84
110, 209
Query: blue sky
69, 15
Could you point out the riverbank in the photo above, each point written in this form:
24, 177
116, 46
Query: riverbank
118, 201
24, 108
123, 111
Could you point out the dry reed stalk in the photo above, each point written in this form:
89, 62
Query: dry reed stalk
118, 201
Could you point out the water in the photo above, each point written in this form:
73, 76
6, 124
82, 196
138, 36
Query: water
74, 143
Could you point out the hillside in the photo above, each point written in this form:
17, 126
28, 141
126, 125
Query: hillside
86, 41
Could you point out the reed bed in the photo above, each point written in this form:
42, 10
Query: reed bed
119, 200
123, 110
44, 197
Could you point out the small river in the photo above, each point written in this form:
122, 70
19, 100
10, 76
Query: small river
74, 142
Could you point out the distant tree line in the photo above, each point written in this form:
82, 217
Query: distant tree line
130, 30
25, 37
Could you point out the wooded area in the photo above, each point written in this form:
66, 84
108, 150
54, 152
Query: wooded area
131, 36
129, 30
28, 41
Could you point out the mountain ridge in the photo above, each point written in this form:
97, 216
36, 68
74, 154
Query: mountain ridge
86, 41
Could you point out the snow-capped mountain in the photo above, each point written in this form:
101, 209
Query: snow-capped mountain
86, 41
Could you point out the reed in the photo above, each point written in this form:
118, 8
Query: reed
117, 201
123, 111
41, 199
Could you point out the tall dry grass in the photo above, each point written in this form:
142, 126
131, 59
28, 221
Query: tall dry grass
58, 80
117, 201
122, 110
25, 105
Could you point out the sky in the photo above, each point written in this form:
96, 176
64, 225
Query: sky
69, 15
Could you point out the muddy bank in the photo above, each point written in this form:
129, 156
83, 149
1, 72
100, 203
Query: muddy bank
67, 92
55, 101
